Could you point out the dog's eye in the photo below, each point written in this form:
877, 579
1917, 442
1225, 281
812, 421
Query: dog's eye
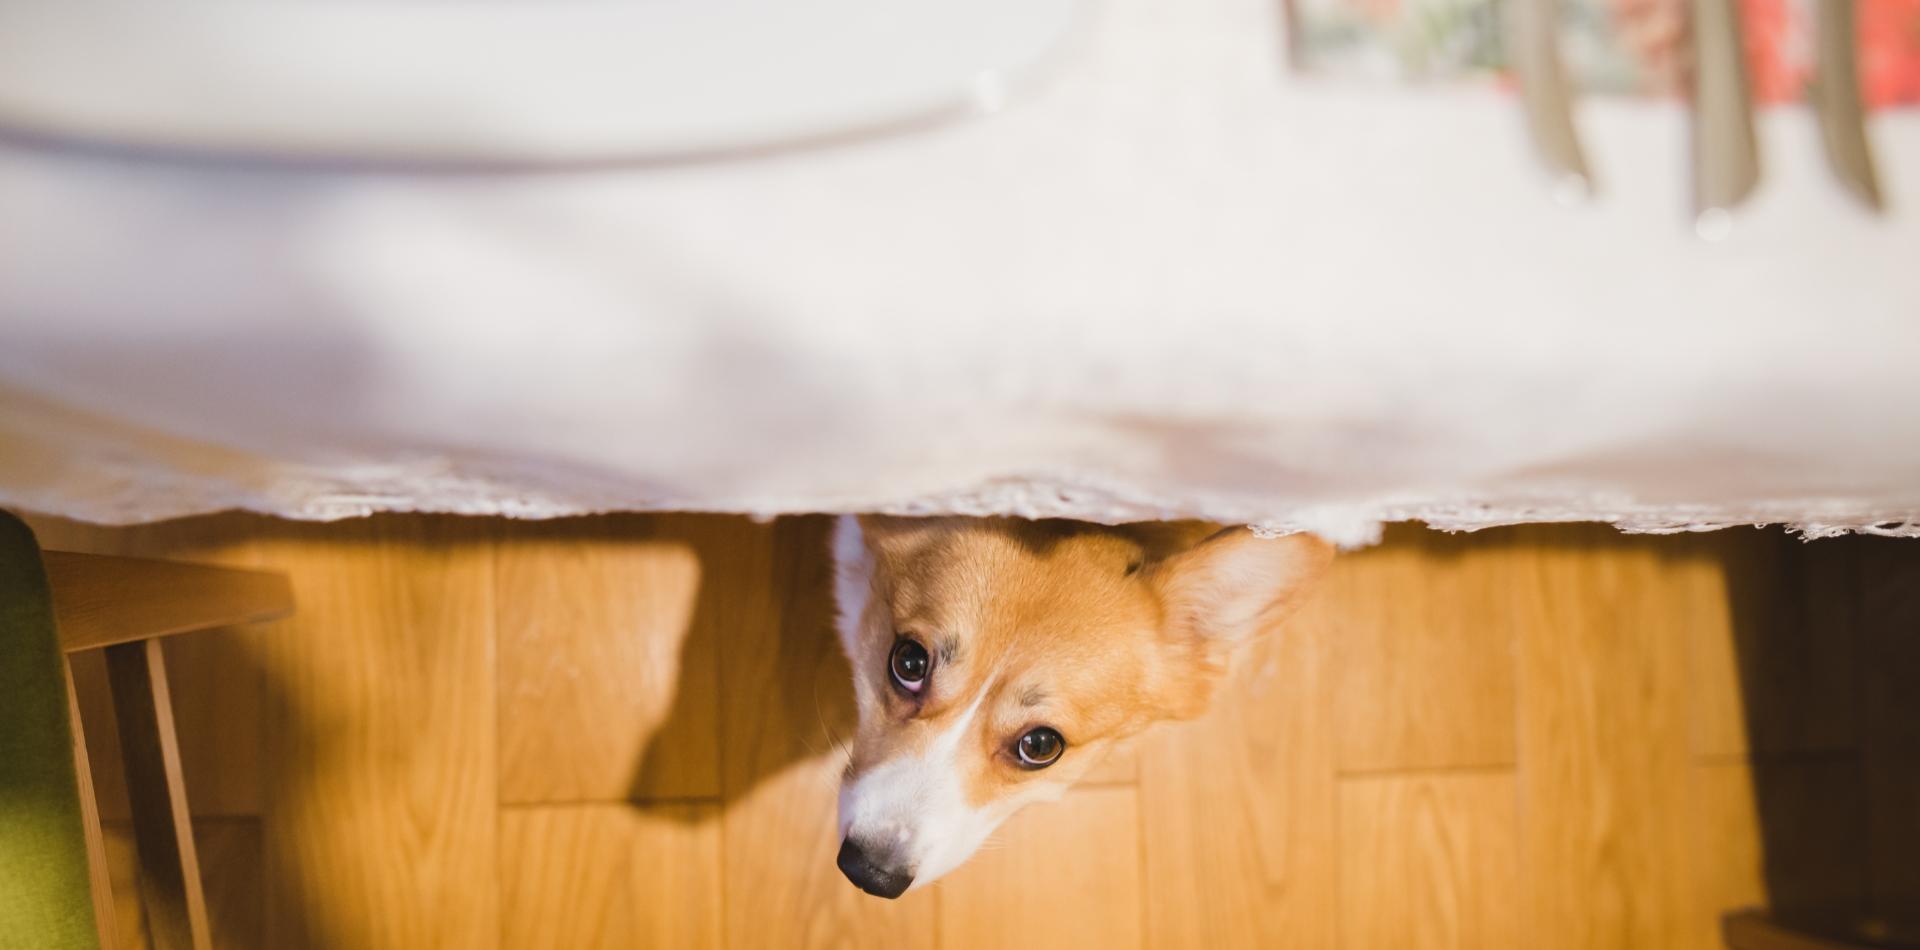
909, 665
1040, 747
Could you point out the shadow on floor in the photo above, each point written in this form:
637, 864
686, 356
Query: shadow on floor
1828, 644
764, 610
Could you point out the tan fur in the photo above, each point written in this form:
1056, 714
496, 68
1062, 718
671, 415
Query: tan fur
1094, 631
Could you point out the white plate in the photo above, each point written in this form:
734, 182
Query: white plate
505, 81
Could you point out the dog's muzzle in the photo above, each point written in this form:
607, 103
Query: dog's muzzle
875, 871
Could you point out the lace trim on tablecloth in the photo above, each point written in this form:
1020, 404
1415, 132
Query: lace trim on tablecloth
132, 495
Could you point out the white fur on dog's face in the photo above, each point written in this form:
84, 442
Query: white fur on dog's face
914, 802
1092, 632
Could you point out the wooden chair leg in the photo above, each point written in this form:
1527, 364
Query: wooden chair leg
163, 831
104, 922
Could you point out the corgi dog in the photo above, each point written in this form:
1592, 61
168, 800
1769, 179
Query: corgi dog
995, 660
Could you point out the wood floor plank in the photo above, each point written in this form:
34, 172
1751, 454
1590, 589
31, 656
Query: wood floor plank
123, 872
785, 696
1237, 808
220, 715
1603, 739
102, 729
366, 732
1893, 796
1424, 654
381, 813
1889, 584
230, 863
1064, 874
577, 877
231, 855
163, 828
1786, 835
607, 678
1772, 660
1429, 861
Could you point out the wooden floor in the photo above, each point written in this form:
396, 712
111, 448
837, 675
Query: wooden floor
620, 732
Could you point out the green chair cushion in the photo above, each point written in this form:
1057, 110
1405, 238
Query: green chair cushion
44, 898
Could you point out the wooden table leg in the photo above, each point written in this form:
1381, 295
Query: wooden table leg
163, 831
104, 922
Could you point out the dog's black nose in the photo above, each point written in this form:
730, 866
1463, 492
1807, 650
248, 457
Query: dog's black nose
870, 875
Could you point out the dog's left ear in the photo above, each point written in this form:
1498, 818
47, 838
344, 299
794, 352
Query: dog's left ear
1222, 591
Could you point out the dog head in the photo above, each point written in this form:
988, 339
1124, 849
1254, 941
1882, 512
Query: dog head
996, 660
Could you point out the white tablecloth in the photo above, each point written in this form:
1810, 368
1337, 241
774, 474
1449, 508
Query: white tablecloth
1168, 280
